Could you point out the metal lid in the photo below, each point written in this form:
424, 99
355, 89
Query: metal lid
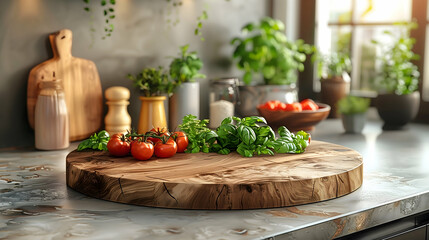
225, 81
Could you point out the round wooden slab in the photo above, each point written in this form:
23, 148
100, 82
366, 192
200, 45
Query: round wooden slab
214, 181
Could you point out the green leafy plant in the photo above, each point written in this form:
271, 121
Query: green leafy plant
108, 7
353, 105
186, 67
398, 73
266, 50
153, 82
247, 136
98, 141
200, 137
333, 65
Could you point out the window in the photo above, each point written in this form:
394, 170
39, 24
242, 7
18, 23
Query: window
350, 25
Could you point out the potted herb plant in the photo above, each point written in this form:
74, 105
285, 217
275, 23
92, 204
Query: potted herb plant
184, 70
270, 63
333, 71
153, 84
397, 81
353, 113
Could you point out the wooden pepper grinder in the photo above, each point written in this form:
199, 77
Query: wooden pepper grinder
117, 119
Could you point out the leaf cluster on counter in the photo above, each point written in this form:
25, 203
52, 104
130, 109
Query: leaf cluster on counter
98, 141
248, 136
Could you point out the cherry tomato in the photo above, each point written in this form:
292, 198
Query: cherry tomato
272, 105
181, 141
308, 104
281, 107
296, 107
158, 132
142, 150
118, 147
165, 150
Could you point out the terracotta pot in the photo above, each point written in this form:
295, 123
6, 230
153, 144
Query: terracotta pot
252, 96
397, 110
332, 90
152, 114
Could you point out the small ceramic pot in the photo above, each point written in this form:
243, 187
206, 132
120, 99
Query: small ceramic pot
152, 114
354, 123
184, 101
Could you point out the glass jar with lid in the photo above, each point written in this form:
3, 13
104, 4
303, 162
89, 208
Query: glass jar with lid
223, 97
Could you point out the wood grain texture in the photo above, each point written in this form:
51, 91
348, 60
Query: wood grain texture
213, 181
81, 84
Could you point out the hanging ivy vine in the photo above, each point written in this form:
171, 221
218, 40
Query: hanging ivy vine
108, 9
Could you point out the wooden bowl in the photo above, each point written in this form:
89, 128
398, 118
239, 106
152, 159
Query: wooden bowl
295, 121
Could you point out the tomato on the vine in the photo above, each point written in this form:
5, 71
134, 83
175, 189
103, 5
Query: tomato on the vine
165, 149
181, 141
118, 146
157, 132
141, 150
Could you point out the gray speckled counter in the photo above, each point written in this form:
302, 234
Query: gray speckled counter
35, 202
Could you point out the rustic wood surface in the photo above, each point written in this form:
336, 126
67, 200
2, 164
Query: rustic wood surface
213, 181
81, 84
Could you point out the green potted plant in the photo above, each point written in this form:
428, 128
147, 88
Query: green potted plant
185, 70
333, 72
397, 82
270, 63
153, 84
353, 113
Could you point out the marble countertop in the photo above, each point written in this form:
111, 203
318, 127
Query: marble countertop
35, 202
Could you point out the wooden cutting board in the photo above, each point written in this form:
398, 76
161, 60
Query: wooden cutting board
214, 181
81, 84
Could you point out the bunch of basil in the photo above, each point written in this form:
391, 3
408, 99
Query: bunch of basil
248, 136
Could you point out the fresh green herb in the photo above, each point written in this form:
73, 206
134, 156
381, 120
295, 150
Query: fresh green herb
265, 50
333, 65
96, 142
353, 105
248, 136
200, 137
398, 73
152, 82
289, 142
186, 67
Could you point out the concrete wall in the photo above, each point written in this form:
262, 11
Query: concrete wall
143, 37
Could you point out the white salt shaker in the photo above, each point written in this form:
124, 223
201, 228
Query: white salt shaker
223, 97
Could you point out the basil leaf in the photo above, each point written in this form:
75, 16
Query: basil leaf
224, 151
283, 131
227, 120
103, 134
246, 134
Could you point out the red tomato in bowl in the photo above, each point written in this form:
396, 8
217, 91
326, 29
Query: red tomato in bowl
142, 150
308, 104
294, 107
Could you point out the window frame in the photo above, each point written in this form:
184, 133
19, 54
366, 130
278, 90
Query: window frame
307, 30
